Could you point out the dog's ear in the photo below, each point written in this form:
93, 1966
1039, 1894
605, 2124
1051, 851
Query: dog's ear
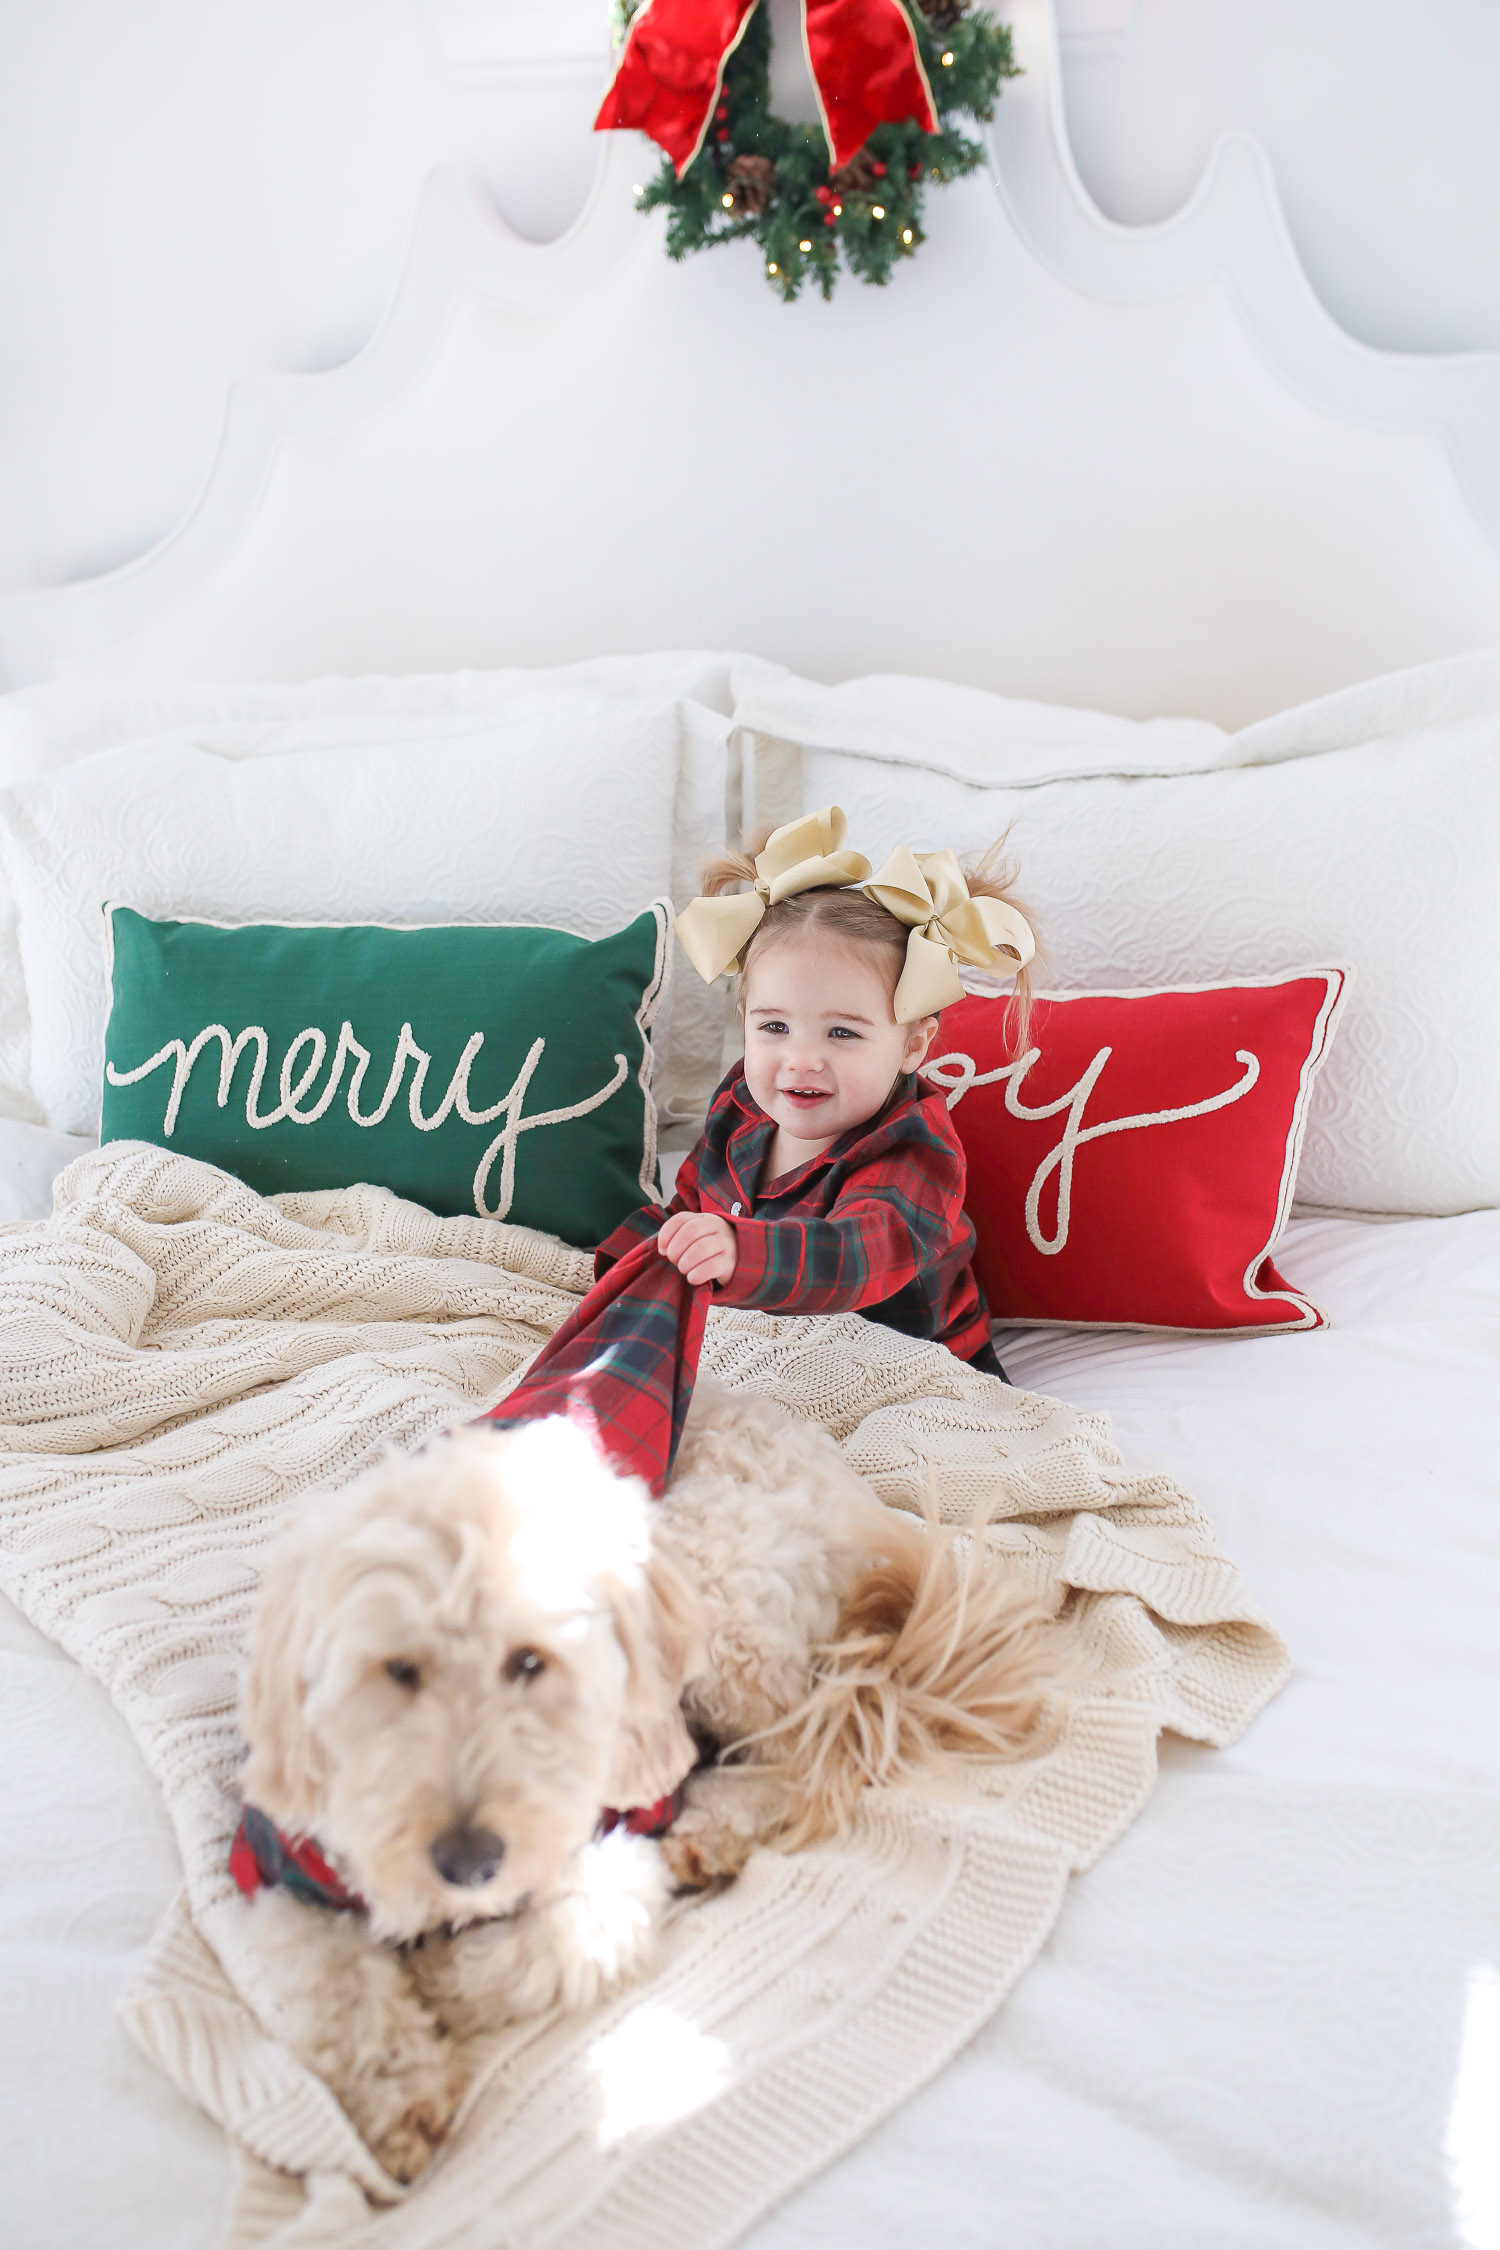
659, 1622
286, 1771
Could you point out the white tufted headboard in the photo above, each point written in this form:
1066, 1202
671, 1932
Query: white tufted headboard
1138, 469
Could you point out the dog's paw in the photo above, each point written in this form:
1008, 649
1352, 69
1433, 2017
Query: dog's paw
610, 1923
729, 1810
405, 2150
701, 1850
403, 2111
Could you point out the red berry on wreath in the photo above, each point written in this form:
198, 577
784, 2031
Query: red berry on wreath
722, 134
914, 171
722, 110
829, 220
879, 169
824, 194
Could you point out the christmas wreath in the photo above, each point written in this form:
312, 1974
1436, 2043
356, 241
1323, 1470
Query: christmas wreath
890, 77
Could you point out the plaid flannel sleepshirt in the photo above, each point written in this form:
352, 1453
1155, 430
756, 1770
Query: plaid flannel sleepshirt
875, 1225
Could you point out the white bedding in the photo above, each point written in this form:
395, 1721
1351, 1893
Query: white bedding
1270, 2017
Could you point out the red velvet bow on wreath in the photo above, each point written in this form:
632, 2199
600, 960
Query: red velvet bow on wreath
889, 75
863, 55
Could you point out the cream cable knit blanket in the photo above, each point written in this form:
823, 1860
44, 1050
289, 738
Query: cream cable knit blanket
181, 1359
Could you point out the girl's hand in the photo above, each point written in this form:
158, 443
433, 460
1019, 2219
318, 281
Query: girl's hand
702, 1247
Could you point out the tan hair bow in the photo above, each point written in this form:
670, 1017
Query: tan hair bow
926, 890
805, 855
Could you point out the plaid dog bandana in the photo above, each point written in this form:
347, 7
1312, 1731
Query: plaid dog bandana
260, 1857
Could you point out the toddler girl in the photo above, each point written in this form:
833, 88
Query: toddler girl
828, 1178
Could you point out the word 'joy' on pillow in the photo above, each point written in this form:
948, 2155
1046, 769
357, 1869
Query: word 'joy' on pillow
498, 1069
1133, 1166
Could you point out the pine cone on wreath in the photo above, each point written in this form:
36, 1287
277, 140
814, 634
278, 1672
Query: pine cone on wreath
751, 179
943, 14
858, 176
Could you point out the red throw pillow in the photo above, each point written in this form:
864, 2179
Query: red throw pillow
1134, 1166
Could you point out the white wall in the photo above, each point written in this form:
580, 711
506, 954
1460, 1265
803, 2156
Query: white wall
192, 189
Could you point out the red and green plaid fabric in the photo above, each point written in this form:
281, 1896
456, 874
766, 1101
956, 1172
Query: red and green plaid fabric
260, 1858
875, 1225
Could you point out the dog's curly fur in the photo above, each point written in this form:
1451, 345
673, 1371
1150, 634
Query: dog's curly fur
498, 1637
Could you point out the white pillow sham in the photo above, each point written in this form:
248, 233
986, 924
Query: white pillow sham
48, 726
1364, 829
563, 805
1379, 858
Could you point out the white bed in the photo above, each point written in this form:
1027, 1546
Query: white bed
1269, 2018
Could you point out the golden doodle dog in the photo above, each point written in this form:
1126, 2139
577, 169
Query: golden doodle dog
461, 1660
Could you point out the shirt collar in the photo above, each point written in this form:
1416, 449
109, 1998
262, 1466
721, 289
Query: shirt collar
750, 1135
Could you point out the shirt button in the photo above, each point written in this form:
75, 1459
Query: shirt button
734, 1210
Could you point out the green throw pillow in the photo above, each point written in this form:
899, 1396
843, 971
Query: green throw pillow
502, 1070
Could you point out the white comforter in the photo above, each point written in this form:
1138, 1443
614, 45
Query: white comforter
1271, 2015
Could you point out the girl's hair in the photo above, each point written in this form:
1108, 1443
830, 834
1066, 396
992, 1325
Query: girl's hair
847, 917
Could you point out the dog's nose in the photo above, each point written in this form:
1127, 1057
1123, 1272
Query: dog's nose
466, 1856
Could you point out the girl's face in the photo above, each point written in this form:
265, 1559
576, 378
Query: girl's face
822, 1046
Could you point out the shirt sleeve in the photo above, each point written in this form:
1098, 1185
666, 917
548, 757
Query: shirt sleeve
890, 1224
644, 1224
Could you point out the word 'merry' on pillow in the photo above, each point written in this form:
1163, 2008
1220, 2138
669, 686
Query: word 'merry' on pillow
1134, 1165
495, 1069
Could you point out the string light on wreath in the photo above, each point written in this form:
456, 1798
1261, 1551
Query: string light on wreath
891, 76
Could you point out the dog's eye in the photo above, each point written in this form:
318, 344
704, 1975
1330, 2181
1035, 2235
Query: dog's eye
405, 1674
523, 1664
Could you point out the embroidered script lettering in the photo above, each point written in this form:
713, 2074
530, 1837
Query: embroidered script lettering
298, 1075
959, 1072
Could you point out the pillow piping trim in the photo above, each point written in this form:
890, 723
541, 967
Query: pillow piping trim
645, 1016
1337, 982
948, 769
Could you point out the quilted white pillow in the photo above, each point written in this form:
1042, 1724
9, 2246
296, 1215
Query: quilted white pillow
48, 726
1364, 829
565, 806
